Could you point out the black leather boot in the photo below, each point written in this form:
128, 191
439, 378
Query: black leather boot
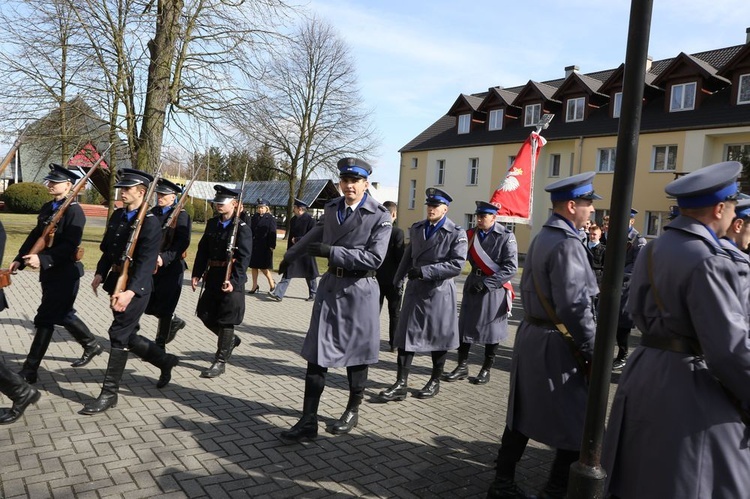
226, 344
17, 390
305, 428
154, 355
350, 417
39, 345
175, 325
162, 332
431, 389
462, 369
557, 485
621, 360
118, 358
83, 335
484, 374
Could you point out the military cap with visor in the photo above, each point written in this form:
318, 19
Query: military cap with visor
706, 186
437, 196
129, 177
225, 194
164, 186
578, 186
483, 207
59, 174
354, 167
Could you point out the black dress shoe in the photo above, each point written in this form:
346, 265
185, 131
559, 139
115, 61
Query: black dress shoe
431, 389
459, 373
88, 356
482, 378
12, 415
346, 422
396, 392
305, 429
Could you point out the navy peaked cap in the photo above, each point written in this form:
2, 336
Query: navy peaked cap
261, 202
225, 194
485, 207
742, 210
353, 167
164, 186
59, 174
576, 187
128, 177
437, 196
706, 186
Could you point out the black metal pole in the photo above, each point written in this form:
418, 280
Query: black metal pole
587, 476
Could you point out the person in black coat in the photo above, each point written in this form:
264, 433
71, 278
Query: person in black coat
305, 265
388, 290
263, 226
129, 304
221, 305
12, 385
170, 263
59, 274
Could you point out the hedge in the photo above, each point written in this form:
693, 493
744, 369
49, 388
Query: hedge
25, 197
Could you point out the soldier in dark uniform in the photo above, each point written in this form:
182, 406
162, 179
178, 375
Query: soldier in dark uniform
170, 264
488, 294
678, 424
221, 305
12, 385
635, 243
554, 343
264, 242
304, 266
129, 305
345, 324
59, 273
388, 289
436, 253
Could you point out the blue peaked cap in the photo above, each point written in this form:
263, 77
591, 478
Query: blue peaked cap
576, 187
706, 186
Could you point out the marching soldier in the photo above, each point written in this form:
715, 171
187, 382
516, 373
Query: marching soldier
170, 263
488, 294
221, 305
554, 343
345, 324
304, 266
60, 273
436, 253
679, 421
129, 305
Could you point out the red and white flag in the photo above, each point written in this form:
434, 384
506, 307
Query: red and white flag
514, 195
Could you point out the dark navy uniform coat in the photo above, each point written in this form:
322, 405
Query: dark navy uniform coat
636, 242
304, 265
673, 432
429, 313
345, 323
3, 237
168, 277
264, 241
548, 391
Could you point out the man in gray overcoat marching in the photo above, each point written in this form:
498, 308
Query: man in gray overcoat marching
554, 343
436, 253
679, 422
488, 294
344, 328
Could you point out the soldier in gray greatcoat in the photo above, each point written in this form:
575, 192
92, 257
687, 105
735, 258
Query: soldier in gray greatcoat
677, 427
344, 328
487, 297
429, 321
554, 343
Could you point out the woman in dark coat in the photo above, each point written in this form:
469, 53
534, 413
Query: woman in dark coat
264, 242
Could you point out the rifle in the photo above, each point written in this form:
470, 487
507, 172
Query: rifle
50, 225
171, 222
127, 255
231, 246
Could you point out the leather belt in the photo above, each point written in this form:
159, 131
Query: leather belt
672, 344
217, 263
342, 272
545, 323
478, 271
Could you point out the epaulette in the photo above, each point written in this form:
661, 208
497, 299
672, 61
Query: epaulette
382, 208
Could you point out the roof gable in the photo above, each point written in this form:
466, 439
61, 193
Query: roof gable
535, 91
465, 104
687, 64
497, 97
578, 83
740, 60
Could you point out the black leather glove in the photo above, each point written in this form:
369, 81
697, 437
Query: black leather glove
283, 266
415, 273
319, 249
478, 288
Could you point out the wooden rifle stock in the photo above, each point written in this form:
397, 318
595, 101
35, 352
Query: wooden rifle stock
171, 222
232, 240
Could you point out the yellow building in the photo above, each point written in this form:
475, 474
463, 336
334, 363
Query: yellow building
695, 112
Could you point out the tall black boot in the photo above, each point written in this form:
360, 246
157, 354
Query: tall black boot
489, 360
154, 355
175, 325
83, 335
39, 346
162, 332
511, 449
307, 427
118, 358
225, 346
557, 486
462, 369
349, 419
17, 390
397, 391
432, 387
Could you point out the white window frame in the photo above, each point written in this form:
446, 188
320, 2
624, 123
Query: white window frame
574, 109
412, 194
472, 176
464, 123
605, 159
415, 163
655, 221
742, 154
743, 98
511, 159
496, 119
532, 114
555, 160
440, 172
667, 149
684, 91
470, 219
617, 105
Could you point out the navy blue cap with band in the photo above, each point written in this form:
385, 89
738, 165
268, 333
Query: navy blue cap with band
354, 167
437, 196
579, 186
742, 210
225, 194
483, 207
706, 186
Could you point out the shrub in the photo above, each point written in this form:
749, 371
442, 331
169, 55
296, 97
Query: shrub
25, 197
198, 210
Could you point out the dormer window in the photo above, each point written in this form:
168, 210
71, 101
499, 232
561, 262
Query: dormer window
532, 114
683, 97
743, 95
617, 105
575, 109
464, 123
496, 119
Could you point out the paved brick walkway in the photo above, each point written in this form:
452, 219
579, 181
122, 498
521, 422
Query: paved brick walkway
219, 438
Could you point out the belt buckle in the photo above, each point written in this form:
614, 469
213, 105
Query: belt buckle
479, 272
339, 272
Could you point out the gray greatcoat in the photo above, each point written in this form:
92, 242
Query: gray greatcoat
429, 316
673, 432
345, 324
548, 391
484, 317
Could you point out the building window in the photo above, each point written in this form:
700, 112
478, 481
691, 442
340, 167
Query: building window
605, 160
617, 105
554, 165
739, 153
743, 95
532, 114
464, 122
664, 159
511, 226
575, 109
440, 172
655, 220
414, 162
412, 194
473, 174
683, 97
470, 220
511, 160
496, 119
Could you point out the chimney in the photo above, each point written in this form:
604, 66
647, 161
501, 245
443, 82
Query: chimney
649, 62
571, 69
747, 35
